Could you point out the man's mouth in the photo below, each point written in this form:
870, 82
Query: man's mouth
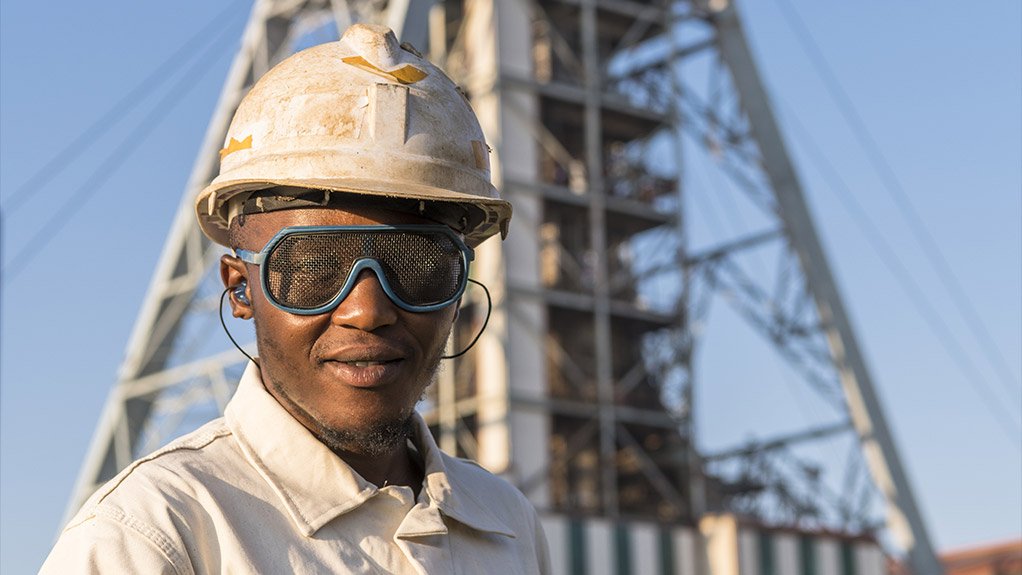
369, 363
368, 369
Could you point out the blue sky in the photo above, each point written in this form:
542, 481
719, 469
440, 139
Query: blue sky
939, 87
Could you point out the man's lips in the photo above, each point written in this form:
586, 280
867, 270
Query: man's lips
366, 354
366, 366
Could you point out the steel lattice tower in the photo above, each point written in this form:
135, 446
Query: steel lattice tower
582, 389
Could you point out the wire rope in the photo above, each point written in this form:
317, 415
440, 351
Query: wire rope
916, 294
73, 204
119, 110
901, 199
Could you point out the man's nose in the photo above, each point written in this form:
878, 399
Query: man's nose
367, 306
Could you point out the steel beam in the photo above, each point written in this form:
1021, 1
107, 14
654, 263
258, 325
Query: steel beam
904, 517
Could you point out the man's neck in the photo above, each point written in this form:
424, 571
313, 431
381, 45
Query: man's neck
399, 467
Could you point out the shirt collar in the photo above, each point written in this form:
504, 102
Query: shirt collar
455, 494
316, 486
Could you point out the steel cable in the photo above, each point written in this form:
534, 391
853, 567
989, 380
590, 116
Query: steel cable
901, 199
119, 110
916, 294
52, 227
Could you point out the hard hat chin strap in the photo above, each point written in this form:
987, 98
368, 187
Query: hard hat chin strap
489, 309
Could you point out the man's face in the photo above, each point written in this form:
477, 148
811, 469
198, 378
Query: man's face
353, 375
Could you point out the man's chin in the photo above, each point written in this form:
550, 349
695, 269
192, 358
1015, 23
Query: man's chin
373, 441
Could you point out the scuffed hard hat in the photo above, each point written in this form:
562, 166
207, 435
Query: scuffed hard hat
363, 116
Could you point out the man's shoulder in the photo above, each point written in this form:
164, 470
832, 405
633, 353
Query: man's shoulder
471, 471
473, 479
172, 470
146, 518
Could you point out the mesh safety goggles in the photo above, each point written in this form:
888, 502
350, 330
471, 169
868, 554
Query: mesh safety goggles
309, 270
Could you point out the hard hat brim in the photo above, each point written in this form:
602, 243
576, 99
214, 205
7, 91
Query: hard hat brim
209, 202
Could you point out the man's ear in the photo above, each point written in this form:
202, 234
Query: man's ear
234, 274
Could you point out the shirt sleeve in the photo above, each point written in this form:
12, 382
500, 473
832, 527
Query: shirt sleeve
112, 543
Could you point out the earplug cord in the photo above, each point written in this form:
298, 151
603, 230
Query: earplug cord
227, 331
489, 309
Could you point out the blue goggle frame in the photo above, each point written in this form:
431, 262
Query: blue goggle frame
362, 263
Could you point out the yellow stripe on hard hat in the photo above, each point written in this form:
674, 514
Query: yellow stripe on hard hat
406, 74
235, 145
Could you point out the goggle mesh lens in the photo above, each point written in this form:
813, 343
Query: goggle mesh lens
420, 269
306, 271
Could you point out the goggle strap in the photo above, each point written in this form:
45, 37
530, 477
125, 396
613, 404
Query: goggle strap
250, 256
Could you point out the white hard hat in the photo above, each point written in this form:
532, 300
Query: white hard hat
361, 116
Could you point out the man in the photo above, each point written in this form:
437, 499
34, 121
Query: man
354, 184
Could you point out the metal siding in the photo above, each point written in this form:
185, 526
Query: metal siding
668, 554
579, 564
828, 557
767, 563
600, 547
623, 549
556, 529
685, 549
808, 559
748, 552
786, 558
600, 544
869, 560
848, 562
645, 549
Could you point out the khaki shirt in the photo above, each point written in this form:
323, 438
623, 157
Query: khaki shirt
255, 492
